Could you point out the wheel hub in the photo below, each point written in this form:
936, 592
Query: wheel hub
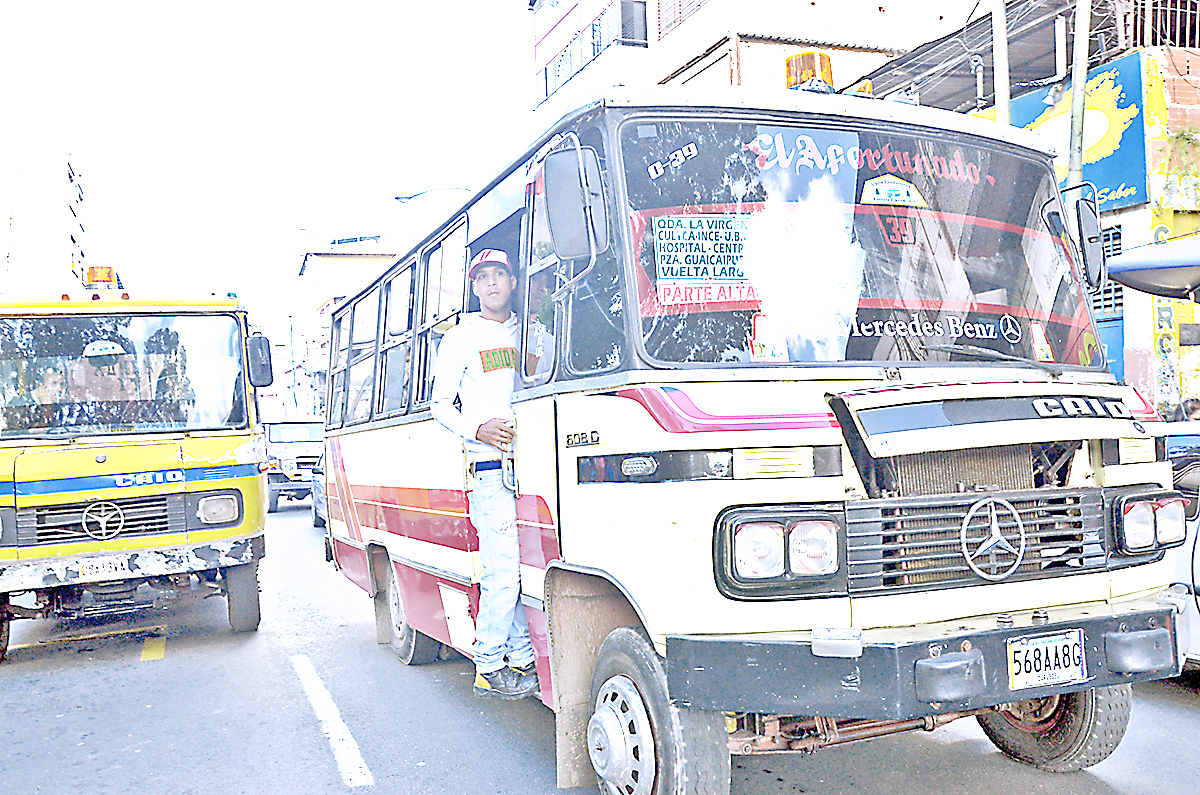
620, 740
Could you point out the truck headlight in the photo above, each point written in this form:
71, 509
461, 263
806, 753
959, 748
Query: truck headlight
221, 509
1138, 525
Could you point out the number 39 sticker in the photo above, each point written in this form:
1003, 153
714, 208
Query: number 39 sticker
674, 160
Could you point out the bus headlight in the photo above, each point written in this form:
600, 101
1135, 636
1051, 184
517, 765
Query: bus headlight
221, 509
1138, 525
758, 550
1150, 522
813, 547
779, 552
1169, 525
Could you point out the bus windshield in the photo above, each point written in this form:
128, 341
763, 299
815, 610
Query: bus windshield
770, 242
95, 374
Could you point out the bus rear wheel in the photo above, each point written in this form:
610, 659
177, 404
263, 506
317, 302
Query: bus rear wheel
411, 646
241, 592
1064, 732
638, 742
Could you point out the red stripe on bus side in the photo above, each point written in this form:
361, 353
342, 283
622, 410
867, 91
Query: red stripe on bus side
676, 413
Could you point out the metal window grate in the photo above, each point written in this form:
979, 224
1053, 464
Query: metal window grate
1161, 23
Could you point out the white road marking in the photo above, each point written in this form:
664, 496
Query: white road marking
349, 761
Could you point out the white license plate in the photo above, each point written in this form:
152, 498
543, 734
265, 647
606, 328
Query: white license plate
104, 567
1046, 660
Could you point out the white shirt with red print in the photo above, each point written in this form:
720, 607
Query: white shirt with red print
477, 362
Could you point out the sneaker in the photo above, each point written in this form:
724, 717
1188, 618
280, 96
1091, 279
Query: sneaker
505, 683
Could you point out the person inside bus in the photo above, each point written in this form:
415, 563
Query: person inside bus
476, 364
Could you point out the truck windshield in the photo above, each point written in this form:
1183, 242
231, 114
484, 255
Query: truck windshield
766, 242
295, 432
71, 375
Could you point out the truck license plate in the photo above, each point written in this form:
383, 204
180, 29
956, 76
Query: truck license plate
1046, 660
102, 567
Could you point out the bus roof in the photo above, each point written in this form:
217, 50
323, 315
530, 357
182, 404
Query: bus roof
848, 106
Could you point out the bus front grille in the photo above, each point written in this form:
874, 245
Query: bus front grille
918, 543
63, 524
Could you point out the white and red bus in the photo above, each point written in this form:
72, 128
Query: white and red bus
815, 440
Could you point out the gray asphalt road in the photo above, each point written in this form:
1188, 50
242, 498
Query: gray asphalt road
173, 702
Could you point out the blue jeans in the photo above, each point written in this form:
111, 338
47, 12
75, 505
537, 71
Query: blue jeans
500, 628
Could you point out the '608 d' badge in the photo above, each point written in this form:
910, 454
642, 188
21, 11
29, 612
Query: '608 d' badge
103, 520
991, 552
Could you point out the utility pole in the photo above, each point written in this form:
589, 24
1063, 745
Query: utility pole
1000, 78
1083, 26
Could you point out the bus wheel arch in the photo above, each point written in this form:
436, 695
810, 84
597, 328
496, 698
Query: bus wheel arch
582, 609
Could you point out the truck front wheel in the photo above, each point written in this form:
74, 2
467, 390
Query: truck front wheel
241, 591
5, 626
641, 744
1061, 733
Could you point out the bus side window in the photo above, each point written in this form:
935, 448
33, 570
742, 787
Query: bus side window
338, 359
360, 380
397, 343
441, 301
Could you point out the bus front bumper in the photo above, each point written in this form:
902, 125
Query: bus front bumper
909, 672
55, 572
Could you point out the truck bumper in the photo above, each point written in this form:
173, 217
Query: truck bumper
127, 565
910, 672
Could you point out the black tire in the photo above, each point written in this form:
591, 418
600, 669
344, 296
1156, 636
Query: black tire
5, 633
318, 519
241, 591
411, 646
273, 502
1061, 733
638, 742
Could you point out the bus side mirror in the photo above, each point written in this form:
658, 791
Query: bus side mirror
575, 201
1091, 242
258, 349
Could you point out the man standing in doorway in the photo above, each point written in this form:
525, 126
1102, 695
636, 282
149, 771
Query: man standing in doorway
476, 363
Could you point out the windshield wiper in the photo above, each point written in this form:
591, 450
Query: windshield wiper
988, 353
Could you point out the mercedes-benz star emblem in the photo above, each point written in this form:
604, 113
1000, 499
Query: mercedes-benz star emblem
1010, 328
989, 551
103, 520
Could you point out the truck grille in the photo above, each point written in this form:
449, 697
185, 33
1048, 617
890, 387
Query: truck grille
915, 543
60, 524
307, 461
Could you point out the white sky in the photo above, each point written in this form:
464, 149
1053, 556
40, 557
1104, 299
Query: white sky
218, 142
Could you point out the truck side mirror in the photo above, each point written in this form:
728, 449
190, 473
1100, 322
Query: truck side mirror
1091, 242
258, 350
575, 202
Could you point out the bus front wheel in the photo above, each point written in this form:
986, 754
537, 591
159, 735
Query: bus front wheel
241, 591
638, 742
1064, 732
